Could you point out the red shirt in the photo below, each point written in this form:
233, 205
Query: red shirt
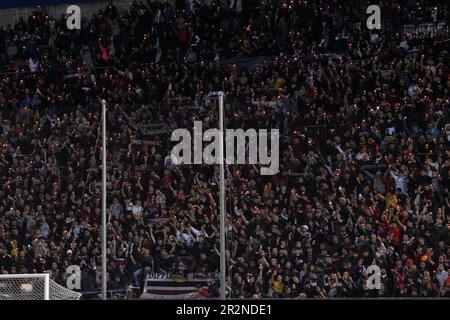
396, 233
166, 180
182, 36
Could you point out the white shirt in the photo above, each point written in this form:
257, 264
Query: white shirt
137, 210
187, 238
33, 65
400, 183
442, 276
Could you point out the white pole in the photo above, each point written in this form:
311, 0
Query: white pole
47, 287
104, 199
222, 199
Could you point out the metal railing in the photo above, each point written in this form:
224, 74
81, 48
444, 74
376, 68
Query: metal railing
118, 294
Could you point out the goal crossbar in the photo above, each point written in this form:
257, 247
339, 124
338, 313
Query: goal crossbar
33, 287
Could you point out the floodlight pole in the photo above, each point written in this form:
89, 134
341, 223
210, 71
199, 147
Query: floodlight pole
222, 200
103, 199
220, 95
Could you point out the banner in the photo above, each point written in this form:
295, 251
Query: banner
425, 29
167, 286
159, 221
144, 142
151, 129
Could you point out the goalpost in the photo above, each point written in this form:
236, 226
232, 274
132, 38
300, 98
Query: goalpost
33, 287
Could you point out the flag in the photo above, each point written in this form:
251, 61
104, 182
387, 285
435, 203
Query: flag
159, 286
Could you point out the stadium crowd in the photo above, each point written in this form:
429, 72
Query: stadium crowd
364, 147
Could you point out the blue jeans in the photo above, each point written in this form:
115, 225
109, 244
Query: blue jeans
139, 272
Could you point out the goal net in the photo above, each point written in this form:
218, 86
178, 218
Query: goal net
33, 287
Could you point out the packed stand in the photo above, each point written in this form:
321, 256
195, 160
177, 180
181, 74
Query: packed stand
364, 150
